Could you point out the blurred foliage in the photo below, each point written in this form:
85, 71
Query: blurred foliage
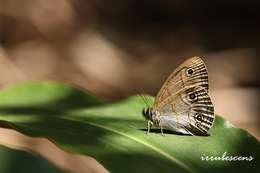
20, 162
115, 133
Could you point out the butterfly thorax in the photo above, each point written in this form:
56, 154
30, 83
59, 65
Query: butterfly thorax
150, 114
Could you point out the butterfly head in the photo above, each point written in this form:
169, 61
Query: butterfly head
148, 113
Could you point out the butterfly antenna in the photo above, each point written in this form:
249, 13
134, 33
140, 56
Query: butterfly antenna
148, 101
143, 98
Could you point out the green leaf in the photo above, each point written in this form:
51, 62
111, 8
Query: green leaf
15, 161
115, 135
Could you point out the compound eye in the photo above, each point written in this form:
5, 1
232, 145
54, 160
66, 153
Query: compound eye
189, 71
143, 112
147, 111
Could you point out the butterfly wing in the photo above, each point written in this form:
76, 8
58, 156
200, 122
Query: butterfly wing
192, 72
189, 112
177, 111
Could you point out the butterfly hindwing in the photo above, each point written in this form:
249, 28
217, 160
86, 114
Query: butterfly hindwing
201, 111
191, 110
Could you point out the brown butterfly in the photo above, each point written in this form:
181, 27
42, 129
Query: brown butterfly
183, 105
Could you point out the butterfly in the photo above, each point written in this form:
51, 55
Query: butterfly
183, 105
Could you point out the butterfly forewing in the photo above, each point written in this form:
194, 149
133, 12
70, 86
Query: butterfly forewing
192, 72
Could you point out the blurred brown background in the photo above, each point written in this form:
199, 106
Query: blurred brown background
115, 48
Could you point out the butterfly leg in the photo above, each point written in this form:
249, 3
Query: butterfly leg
162, 131
149, 125
161, 127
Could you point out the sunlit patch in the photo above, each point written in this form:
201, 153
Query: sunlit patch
228, 124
